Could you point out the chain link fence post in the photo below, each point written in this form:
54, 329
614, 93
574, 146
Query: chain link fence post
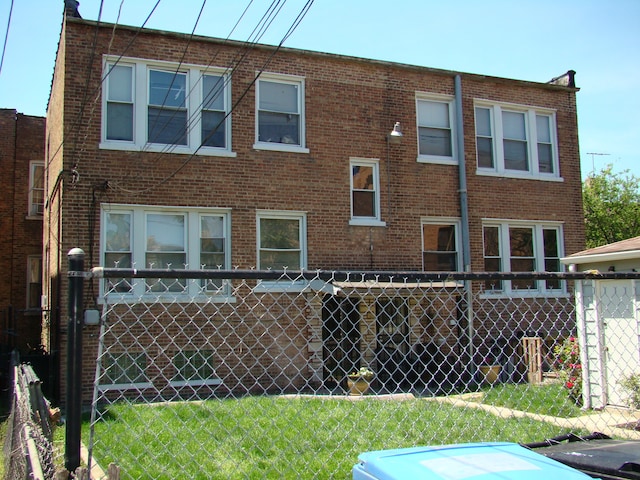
74, 360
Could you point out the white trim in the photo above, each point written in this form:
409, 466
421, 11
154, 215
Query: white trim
193, 103
497, 139
602, 257
374, 221
449, 101
295, 80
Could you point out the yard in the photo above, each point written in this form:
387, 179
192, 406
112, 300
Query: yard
306, 437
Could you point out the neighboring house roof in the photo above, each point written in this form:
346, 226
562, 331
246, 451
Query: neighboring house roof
622, 250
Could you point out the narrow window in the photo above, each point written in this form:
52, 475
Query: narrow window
119, 103
492, 257
212, 243
365, 192
545, 146
36, 189
551, 255
213, 111
484, 138
117, 250
167, 112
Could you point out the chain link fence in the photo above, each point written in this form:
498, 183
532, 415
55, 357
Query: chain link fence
246, 374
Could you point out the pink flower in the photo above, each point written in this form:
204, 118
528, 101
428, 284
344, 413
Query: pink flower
570, 385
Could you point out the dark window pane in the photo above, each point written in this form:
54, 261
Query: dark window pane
515, 155
440, 262
485, 153
545, 160
167, 126
521, 242
491, 243
435, 141
213, 129
364, 204
279, 128
119, 121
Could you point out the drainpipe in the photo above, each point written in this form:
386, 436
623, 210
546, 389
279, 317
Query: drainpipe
464, 209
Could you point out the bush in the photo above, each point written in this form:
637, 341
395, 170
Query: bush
569, 368
631, 384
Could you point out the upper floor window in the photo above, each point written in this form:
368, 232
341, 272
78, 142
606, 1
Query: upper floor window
365, 192
282, 240
36, 189
522, 247
440, 245
280, 122
436, 132
155, 106
156, 237
516, 141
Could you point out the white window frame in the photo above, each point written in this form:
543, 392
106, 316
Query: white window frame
301, 217
455, 222
194, 290
376, 220
497, 138
449, 101
297, 81
503, 227
194, 106
33, 211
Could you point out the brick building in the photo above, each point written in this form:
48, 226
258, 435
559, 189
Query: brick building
273, 156
21, 207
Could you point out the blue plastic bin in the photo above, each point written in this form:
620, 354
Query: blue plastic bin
466, 461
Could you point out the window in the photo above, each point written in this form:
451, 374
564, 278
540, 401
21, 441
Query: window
440, 246
436, 134
280, 113
36, 189
281, 240
516, 141
165, 238
522, 247
34, 281
153, 105
125, 369
365, 192
194, 367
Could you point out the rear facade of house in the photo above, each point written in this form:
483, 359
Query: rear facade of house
21, 207
166, 151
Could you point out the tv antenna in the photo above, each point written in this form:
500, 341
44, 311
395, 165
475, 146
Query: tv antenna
593, 162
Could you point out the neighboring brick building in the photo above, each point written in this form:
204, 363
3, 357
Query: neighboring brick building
21, 207
177, 131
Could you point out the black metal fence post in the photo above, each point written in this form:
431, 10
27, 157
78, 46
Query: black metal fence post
74, 360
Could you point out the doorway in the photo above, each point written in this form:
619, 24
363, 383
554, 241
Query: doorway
340, 338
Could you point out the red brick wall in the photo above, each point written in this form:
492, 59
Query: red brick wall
21, 142
350, 104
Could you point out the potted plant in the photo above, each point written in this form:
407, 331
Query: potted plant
359, 381
490, 370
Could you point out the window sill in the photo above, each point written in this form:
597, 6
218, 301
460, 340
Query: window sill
523, 294
132, 298
523, 175
366, 222
280, 147
437, 160
195, 383
177, 149
124, 386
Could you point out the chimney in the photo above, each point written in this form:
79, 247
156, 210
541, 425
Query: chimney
71, 8
567, 80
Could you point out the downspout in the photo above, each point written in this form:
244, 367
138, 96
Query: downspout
464, 209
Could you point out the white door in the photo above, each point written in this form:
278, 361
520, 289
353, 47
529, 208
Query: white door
620, 332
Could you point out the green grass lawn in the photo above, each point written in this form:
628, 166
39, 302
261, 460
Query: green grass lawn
275, 437
547, 399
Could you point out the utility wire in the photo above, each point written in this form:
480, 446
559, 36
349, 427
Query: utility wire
6, 36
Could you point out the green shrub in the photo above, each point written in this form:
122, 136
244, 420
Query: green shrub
569, 368
631, 384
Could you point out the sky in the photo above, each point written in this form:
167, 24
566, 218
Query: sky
534, 40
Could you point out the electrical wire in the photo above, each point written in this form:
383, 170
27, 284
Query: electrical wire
6, 36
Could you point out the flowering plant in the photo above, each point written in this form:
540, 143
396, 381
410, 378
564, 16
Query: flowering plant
364, 372
569, 368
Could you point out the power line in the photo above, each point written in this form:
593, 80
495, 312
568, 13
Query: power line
6, 36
